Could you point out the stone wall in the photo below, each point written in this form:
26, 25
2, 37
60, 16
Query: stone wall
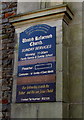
75, 55
8, 9
60, 108
75, 61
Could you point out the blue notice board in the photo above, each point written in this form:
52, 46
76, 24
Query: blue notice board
36, 76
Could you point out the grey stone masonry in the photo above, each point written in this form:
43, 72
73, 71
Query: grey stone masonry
58, 16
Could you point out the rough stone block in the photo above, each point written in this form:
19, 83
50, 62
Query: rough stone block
76, 34
24, 110
76, 58
30, 6
50, 110
65, 110
37, 110
14, 90
76, 111
76, 74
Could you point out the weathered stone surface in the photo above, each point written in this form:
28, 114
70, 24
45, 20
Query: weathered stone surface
65, 111
76, 35
34, 5
43, 110
76, 74
59, 57
62, 73
8, 9
50, 110
27, 6
75, 61
76, 110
